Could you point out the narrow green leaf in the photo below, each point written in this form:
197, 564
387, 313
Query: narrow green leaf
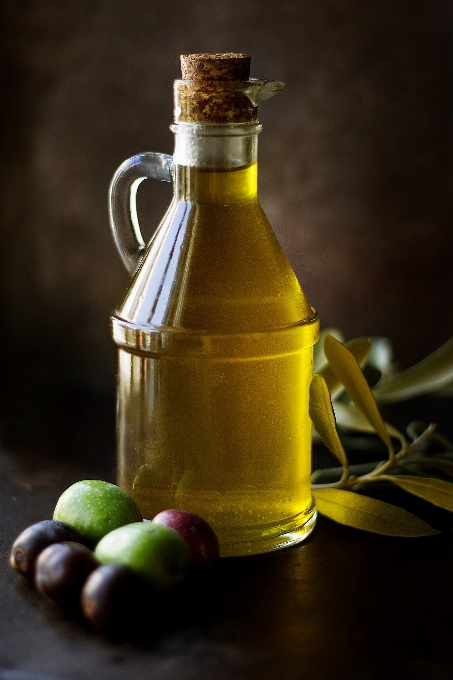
348, 371
369, 514
445, 391
419, 465
319, 358
433, 373
434, 491
323, 419
350, 418
381, 355
359, 348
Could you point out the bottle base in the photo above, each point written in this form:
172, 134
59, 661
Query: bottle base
270, 543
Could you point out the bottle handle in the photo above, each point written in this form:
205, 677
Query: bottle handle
122, 202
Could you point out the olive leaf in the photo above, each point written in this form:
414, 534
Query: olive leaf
319, 358
435, 491
350, 418
381, 355
347, 370
359, 348
433, 373
445, 391
369, 514
323, 419
419, 464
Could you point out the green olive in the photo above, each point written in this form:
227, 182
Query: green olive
95, 508
156, 552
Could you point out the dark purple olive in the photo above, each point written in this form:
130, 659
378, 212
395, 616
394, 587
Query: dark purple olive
114, 597
62, 569
199, 536
33, 540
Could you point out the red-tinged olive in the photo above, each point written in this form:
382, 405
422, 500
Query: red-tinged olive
198, 534
34, 539
62, 569
115, 597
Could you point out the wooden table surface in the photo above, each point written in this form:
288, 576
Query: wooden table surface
343, 605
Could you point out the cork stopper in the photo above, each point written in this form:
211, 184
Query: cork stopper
217, 66
210, 92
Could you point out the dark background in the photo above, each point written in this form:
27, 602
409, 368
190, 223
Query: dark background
355, 161
355, 174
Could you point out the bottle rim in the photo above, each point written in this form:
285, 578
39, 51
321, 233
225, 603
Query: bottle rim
206, 129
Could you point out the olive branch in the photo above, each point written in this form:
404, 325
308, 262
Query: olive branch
342, 399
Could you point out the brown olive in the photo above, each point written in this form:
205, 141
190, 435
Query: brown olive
62, 569
34, 539
114, 598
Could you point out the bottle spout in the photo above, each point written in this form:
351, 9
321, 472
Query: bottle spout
217, 88
257, 91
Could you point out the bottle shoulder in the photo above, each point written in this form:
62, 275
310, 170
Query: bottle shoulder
215, 268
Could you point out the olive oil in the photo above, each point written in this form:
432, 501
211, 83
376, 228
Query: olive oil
214, 369
215, 334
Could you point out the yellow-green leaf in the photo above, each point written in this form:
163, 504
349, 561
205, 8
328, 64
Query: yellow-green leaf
359, 348
369, 514
349, 417
381, 355
323, 419
434, 491
430, 375
319, 358
347, 370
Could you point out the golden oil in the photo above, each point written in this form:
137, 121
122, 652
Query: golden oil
214, 370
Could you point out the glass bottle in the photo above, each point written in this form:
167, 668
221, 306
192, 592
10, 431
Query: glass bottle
215, 334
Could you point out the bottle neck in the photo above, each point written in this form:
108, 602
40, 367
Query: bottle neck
215, 163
